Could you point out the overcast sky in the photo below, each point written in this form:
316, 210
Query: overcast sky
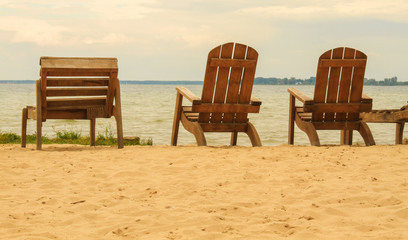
170, 39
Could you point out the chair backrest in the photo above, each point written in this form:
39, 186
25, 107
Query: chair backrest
228, 81
339, 85
77, 88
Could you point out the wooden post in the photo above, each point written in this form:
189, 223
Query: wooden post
118, 117
92, 131
291, 132
176, 120
39, 115
24, 128
399, 131
234, 137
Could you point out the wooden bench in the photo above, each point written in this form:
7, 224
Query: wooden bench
76, 88
397, 116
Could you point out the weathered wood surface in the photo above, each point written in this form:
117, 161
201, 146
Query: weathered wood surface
338, 98
77, 88
386, 115
226, 97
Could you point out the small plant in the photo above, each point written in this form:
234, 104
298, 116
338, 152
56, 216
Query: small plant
71, 137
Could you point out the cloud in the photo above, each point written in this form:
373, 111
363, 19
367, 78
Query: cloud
391, 10
32, 30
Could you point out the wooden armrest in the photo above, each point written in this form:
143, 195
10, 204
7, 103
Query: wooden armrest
255, 101
300, 96
189, 95
366, 99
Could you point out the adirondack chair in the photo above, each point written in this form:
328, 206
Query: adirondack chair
76, 88
338, 98
226, 97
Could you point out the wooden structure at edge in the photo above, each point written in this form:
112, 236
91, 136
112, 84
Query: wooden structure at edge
226, 97
76, 88
338, 99
397, 116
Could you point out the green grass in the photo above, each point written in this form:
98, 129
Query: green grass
70, 137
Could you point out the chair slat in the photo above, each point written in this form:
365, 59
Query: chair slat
222, 80
75, 102
225, 108
59, 92
73, 82
343, 62
237, 63
344, 88
235, 81
357, 85
209, 82
247, 84
334, 79
321, 84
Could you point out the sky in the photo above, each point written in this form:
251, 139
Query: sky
170, 39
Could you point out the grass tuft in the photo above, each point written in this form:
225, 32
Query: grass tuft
71, 137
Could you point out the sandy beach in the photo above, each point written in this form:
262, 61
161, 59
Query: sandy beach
188, 192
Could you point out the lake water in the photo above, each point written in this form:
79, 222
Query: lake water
148, 113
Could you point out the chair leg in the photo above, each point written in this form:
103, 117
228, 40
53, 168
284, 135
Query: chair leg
118, 117
346, 137
119, 130
39, 133
24, 128
234, 138
198, 133
292, 112
253, 135
399, 133
176, 119
366, 134
311, 132
92, 131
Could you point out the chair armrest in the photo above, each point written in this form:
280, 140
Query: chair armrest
366, 99
255, 101
189, 95
300, 96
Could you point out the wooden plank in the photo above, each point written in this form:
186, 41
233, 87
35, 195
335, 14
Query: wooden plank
341, 107
226, 108
300, 96
321, 84
343, 62
235, 81
222, 80
357, 85
67, 114
189, 95
74, 102
62, 72
113, 83
209, 82
53, 92
346, 125
78, 62
73, 82
224, 127
334, 79
236, 63
247, 84
345, 84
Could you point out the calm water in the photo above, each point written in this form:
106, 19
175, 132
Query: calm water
148, 113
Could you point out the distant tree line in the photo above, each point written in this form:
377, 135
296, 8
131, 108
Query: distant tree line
259, 81
311, 81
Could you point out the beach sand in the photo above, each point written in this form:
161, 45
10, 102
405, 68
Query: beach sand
188, 192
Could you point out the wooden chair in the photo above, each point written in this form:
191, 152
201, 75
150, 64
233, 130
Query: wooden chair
76, 88
338, 98
226, 97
